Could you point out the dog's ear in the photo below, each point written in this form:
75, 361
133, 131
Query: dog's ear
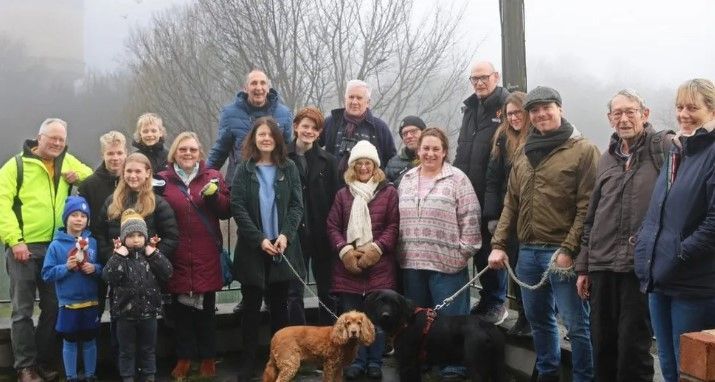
339, 334
367, 333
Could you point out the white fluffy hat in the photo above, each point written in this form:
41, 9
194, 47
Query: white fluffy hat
364, 149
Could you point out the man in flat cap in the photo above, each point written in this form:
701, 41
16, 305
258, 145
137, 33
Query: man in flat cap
547, 199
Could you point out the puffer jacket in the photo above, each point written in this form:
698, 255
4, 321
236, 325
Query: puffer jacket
548, 204
157, 154
71, 286
385, 217
234, 124
161, 222
399, 164
135, 284
196, 261
675, 246
479, 123
42, 195
618, 204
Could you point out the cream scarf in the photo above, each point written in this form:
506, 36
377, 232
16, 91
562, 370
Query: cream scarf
360, 225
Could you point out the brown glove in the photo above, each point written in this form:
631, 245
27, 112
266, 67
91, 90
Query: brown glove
370, 255
351, 259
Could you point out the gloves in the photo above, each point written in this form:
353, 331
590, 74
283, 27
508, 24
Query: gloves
370, 255
350, 260
492, 226
209, 189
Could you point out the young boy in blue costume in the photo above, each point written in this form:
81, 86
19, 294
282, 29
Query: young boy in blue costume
71, 263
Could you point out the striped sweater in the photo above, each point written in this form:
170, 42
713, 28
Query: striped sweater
440, 231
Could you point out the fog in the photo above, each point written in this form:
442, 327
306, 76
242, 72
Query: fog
586, 50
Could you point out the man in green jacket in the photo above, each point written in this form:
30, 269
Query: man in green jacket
31, 205
547, 199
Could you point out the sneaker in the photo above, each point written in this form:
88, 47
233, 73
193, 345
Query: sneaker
495, 315
208, 368
451, 377
48, 374
181, 370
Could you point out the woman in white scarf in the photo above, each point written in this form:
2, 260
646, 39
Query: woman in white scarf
363, 228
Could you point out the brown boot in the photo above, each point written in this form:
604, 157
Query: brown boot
181, 370
28, 374
208, 368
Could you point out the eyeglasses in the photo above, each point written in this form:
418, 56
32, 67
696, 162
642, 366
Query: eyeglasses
514, 113
629, 113
368, 163
412, 132
483, 79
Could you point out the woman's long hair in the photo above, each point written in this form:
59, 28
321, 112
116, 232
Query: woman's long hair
145, 203
279, 155
514, 138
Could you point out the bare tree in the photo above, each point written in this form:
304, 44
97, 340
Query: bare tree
192, 59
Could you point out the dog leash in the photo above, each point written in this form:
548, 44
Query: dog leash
306, 286
552, 268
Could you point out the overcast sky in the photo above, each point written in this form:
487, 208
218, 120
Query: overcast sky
663, 43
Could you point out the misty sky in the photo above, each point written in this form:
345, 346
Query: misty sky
661, 43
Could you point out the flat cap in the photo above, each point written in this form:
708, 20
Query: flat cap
541, 94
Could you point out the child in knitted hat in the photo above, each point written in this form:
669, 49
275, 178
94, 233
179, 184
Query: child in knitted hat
71, 263
134, 272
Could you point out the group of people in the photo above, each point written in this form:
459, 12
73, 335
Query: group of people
624, 234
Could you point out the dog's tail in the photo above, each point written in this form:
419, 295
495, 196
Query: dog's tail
270, 373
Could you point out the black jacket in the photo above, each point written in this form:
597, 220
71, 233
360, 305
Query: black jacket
157, 154
498, 171
319, 189
135, 283
161, 222
399, 165
479, 123
96, 188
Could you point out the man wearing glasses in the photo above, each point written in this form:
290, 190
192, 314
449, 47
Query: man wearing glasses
627, 173
33, 189
480, 121
410, 131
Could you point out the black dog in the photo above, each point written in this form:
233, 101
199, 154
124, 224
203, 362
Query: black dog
425, 336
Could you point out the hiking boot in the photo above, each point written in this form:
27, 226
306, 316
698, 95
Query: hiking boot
28, 374
181, 370
48, 374
374, 372
353, 372
495, 314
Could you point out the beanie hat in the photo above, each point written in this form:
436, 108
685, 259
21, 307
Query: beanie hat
74, 203
132, 222
412, 120
364, 149
541, 94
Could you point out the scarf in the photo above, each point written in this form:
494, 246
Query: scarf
538, 145
360, 225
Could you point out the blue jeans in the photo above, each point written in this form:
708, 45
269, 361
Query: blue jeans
673, 316
368, 356
540, 307
429, 288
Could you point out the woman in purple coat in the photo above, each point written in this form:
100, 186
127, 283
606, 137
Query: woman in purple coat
363, 227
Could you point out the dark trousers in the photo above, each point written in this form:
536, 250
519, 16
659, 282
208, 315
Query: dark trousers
277, 296
493, 281
195, 329
322, 272
620, 328
137, 347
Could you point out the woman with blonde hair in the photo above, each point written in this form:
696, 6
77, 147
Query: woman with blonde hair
675, 246
508, 140
135, 191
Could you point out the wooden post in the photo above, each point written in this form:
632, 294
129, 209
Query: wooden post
513, 44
